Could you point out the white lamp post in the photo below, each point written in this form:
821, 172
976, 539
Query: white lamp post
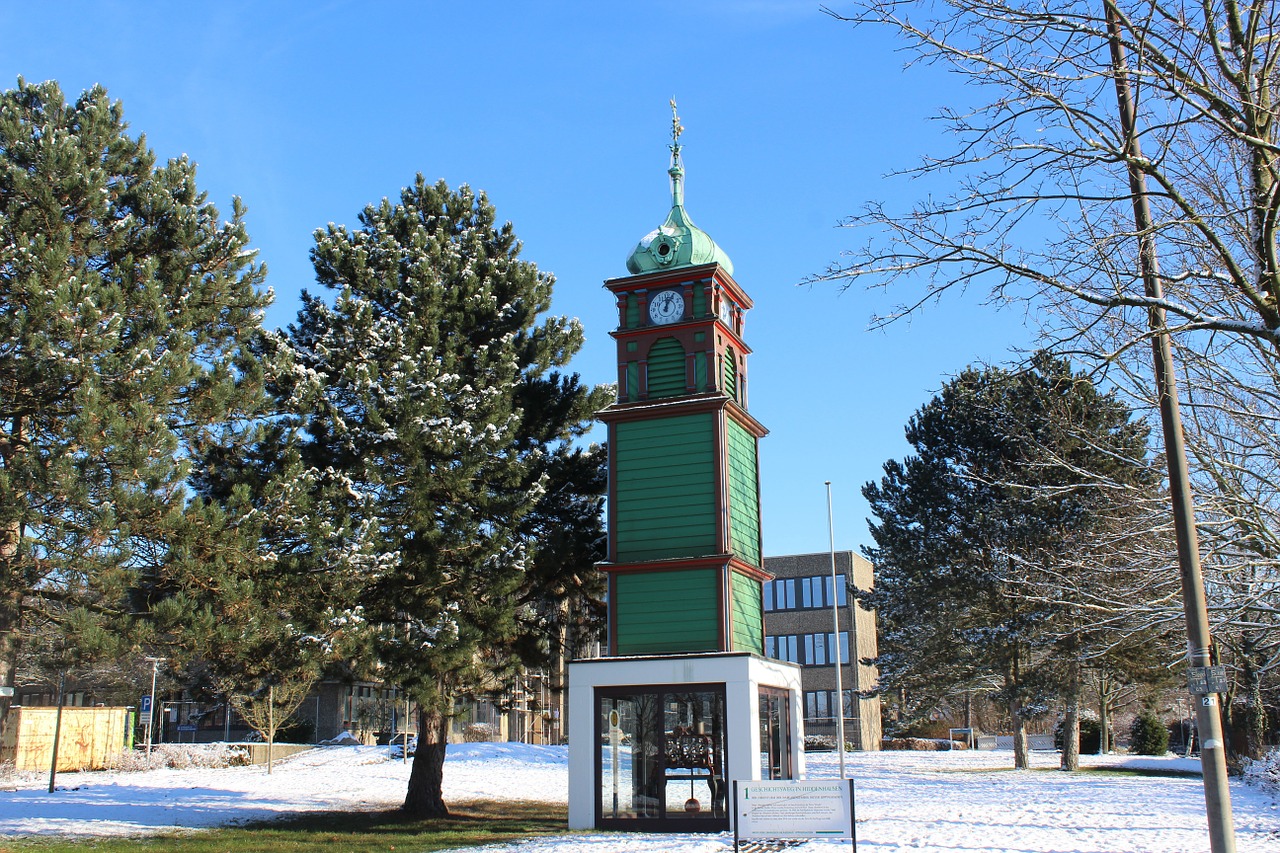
835, 619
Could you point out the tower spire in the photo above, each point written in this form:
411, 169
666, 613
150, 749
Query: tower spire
677, 242
677, 167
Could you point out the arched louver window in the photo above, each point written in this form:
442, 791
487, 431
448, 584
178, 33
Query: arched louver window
730, 383
666, 369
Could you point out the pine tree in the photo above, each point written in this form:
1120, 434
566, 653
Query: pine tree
1016, 475
430, 386
126, 304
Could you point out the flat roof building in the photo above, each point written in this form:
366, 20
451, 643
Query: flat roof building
798, 628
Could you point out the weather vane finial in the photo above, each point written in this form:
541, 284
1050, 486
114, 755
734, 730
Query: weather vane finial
676, 128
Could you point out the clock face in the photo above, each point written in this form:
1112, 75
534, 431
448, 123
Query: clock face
666, 307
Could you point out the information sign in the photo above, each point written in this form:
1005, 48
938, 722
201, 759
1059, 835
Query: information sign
144, 707
1202, 680
816, 808
187, 727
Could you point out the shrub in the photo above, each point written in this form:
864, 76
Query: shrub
1263, 772
181, 757
479, 732
1090, 736
819, 743
1148, 735
920, 744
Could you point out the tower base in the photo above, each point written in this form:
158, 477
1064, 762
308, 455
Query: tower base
655, 742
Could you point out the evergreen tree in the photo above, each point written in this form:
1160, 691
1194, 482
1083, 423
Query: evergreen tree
430, 386
1015, 473
126, 304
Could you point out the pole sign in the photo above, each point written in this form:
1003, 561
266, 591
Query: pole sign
144, 707
814, 808
1202, 680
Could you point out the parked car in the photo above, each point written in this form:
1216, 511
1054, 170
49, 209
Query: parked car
398, 741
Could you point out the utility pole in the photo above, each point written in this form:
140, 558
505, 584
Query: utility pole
1213, 760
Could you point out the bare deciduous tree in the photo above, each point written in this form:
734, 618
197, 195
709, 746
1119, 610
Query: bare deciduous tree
1043, 203
266, 708
1045, 176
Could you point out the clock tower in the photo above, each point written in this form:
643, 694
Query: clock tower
684, 501
685, 701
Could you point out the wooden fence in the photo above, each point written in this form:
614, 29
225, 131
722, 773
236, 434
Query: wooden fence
90, 737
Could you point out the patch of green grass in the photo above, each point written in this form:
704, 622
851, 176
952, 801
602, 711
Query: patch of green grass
469, 825
1143, 771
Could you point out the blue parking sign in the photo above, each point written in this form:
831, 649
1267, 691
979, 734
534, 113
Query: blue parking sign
144, 707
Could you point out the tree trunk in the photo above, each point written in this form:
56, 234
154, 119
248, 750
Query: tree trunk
11, 591
1021, 747
1104, 724
1255, 713
425, 797
1071, 721
10, 622
271, 723
560, 676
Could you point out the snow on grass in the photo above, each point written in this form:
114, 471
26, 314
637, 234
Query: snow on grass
938, 801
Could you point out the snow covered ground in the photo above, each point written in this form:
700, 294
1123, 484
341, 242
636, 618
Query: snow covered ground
920, 801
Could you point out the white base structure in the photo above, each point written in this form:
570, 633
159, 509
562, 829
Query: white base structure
655, 742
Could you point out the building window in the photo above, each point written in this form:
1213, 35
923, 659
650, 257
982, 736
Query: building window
808, 593
819, 706
783, 647
780, 594
807, 649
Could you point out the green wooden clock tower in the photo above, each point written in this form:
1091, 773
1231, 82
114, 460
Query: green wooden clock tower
684, 501
684, 700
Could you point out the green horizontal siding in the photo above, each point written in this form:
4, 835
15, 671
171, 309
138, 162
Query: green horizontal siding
665, 487
667, 612
744, 495
666, 369
748, 615
700, 370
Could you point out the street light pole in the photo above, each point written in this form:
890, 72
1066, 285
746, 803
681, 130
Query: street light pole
57, 730
835, 620
151, 711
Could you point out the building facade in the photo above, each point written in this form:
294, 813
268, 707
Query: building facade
799, 627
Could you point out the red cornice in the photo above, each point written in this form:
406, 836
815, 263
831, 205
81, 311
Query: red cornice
705, 402
662, 331
689, 405
654, 280
756, 573
745, 420
711, 561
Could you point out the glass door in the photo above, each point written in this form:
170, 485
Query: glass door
775, 733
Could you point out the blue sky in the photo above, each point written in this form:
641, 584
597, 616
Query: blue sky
309, 111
